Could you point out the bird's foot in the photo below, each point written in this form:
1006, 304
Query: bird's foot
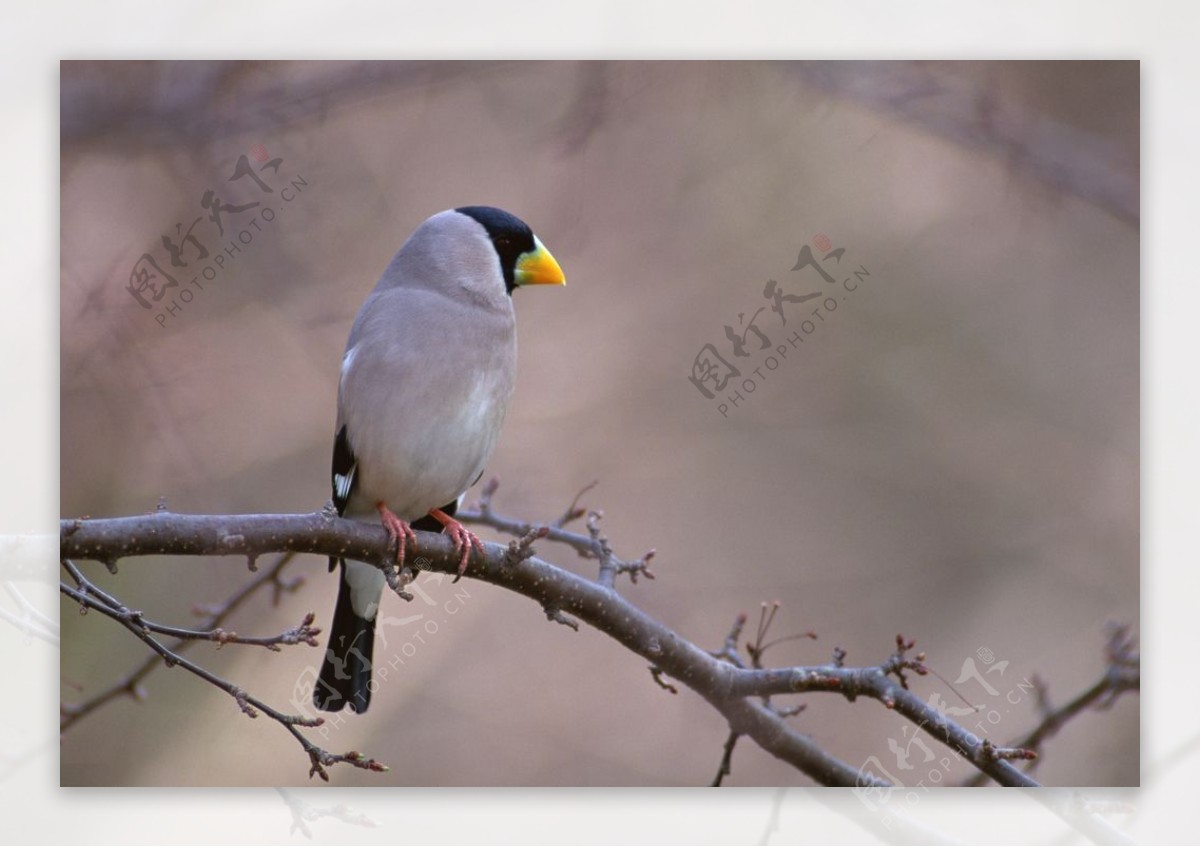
464, 539
399, 531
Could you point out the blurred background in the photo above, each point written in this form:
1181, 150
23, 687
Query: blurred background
951, 454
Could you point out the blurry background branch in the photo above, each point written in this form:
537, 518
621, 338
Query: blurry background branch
961, 102
166, 104
157, 103
741, 691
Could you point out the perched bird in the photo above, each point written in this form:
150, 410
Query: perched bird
426, 379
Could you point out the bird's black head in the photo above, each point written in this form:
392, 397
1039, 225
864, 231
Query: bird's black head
510, 235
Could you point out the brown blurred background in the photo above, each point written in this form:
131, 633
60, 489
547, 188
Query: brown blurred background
953, 455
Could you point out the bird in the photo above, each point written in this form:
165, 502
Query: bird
426, 379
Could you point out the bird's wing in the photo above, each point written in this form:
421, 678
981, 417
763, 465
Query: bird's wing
343, 472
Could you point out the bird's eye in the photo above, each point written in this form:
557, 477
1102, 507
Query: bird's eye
503, 242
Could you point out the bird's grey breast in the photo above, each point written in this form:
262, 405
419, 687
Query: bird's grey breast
425, 387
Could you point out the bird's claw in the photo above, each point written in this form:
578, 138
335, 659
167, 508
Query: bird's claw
464, 540
398, 531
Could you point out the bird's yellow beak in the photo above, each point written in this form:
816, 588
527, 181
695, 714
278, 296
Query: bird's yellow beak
538, 267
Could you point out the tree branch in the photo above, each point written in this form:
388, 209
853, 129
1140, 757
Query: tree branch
730, 688
89, 596
1122, 673
594, 545
305, 633
130, 685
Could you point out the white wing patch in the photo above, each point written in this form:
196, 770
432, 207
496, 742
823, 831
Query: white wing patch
343, 482
347, 361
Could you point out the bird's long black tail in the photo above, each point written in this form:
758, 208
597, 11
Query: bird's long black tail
345, 678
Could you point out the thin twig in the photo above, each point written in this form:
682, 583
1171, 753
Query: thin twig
251, 706
657, 675
594, 545
574, 511
305, 633
726, 766
131, 684
1122, 673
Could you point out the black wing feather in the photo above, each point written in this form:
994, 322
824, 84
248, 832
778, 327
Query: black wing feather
343, 476
344, 471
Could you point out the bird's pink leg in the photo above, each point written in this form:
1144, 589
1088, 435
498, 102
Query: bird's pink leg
399, 531
464, 539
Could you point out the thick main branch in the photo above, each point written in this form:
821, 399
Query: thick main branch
732, 690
